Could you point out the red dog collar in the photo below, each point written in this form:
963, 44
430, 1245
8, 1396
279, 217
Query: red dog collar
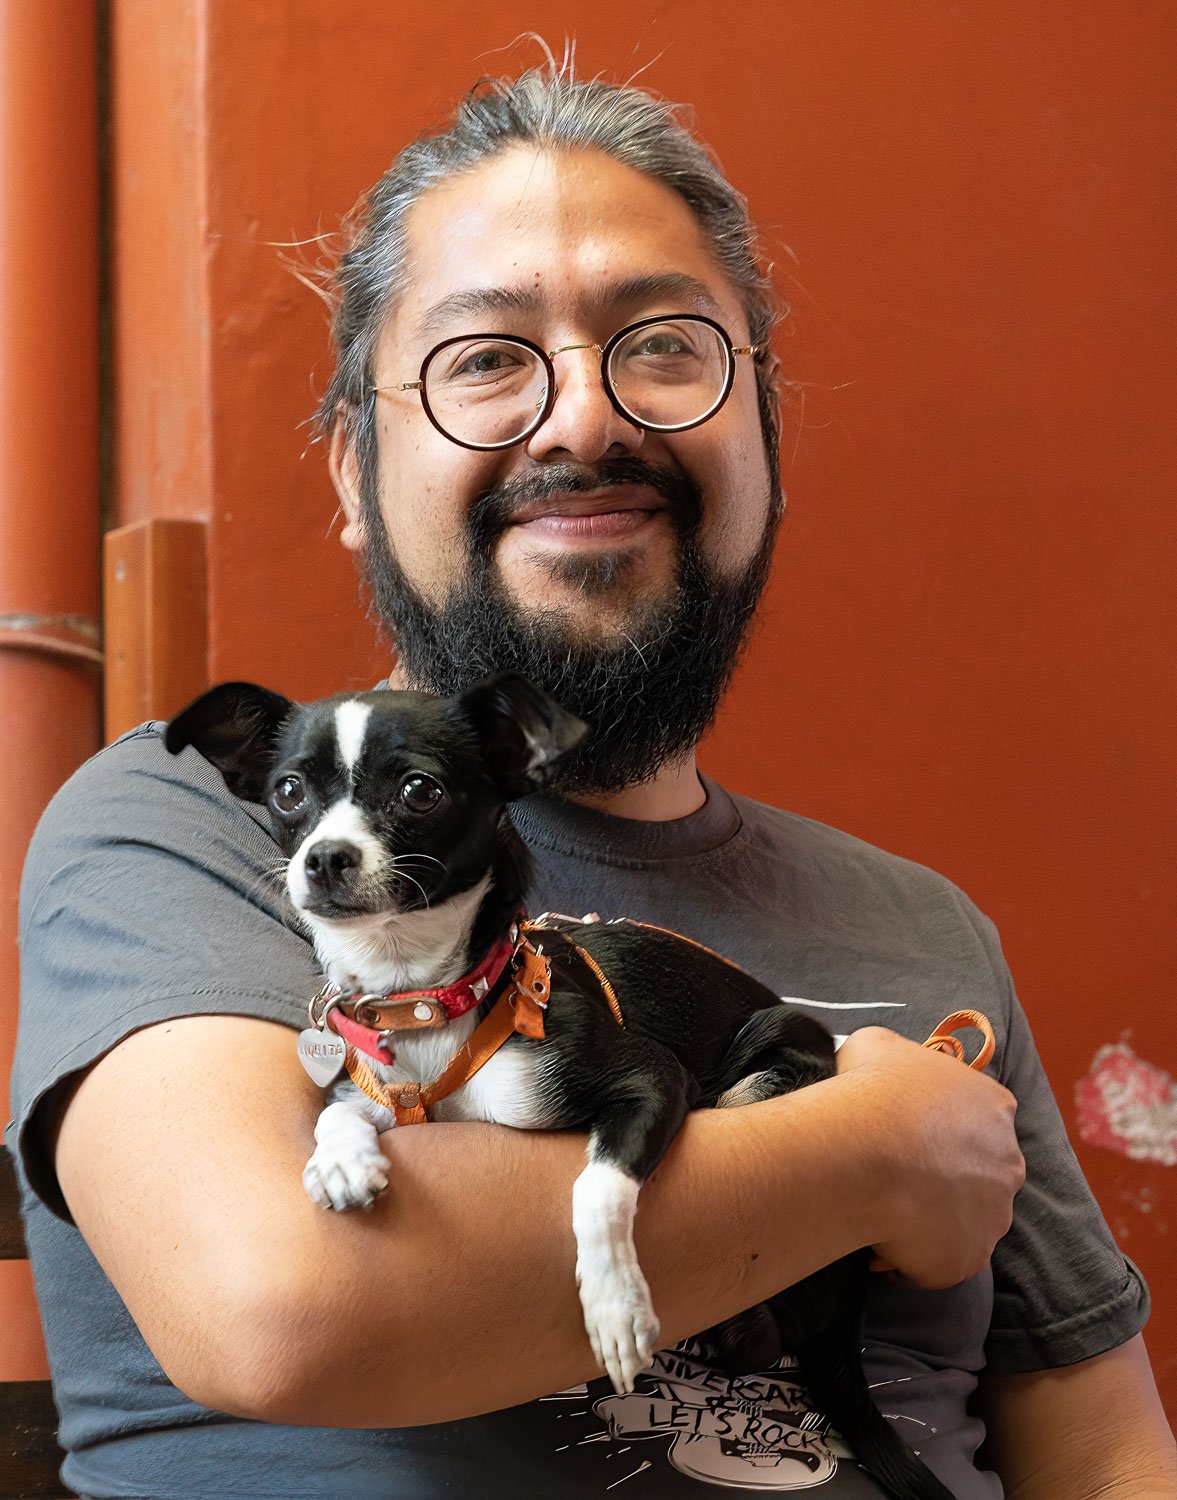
367, 1021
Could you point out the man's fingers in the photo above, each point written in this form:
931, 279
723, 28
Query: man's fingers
951, 1161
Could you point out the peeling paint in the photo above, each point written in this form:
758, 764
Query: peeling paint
1127, 1105
1141, 1200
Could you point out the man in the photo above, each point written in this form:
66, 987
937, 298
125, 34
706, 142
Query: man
524, 491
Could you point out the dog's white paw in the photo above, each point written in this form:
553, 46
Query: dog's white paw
337, 1180
620, 1321
348, 1168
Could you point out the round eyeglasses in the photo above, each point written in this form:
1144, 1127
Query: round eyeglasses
490, 390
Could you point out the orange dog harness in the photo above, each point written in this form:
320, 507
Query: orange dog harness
524, 981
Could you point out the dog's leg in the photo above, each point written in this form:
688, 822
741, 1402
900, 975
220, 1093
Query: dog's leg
348, 1168
753, 1089
630, 1134
776, 1051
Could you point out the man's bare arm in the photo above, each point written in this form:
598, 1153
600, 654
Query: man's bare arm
1089, 1431
181, 1152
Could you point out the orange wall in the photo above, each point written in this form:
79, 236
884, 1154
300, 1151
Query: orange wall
966, 650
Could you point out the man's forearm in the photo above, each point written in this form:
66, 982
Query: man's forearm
456, 1294
1047, 1430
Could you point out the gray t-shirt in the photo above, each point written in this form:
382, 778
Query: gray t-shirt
147, 895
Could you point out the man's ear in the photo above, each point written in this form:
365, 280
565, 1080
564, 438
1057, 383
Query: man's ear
344, 468
522, 731
236, 727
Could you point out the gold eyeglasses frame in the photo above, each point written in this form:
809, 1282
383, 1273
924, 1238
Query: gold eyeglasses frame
732, 352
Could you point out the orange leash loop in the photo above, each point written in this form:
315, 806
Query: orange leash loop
942, 1039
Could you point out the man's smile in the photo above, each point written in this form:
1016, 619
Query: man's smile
605, 515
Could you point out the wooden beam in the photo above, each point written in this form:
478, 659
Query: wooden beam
156, 612
12, 1235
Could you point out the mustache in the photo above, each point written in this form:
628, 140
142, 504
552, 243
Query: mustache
496, 508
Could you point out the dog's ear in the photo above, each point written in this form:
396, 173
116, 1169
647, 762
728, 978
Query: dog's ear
236, 727
523, 732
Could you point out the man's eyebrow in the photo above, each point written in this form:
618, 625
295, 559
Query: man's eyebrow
486, 301
476, 302
660, 286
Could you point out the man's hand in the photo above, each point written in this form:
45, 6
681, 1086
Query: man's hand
950, 1160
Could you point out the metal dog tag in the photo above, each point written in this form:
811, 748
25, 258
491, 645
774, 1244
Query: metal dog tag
322, 1054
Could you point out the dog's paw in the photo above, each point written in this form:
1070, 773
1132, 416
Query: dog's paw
341, 1179
620, 1321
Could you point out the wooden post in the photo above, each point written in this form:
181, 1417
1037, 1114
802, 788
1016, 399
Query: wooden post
156, 609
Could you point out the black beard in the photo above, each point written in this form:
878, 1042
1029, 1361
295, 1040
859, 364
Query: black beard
648, 698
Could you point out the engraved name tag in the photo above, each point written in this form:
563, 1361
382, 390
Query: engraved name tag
322, 1054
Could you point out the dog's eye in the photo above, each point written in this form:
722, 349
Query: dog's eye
288, 796
421, 793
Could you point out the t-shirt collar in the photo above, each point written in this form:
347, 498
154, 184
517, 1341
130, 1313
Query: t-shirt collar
550, 822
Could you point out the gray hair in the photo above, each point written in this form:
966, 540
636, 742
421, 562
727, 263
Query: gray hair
549, 108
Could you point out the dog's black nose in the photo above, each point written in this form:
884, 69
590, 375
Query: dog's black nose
329, 860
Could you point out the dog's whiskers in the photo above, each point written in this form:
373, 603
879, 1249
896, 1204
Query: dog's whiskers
402, 859
400, 863
404, 876
271, 875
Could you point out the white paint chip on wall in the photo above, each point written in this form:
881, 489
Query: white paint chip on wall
1127, 1105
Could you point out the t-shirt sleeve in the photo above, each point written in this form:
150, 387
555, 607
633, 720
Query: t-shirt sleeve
149, 892
1063, 1289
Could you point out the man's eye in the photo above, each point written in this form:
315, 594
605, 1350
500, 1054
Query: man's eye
489, 359
660, 345
493, 360
421, 794
288, 796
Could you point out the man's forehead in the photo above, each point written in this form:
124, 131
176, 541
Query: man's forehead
528, 233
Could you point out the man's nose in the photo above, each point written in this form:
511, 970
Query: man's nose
583, 423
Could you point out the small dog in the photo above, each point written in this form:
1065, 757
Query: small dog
404, 865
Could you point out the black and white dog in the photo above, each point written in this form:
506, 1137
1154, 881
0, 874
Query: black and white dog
405, 868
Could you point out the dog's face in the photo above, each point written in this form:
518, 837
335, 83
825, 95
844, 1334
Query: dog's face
380, 806
386, 802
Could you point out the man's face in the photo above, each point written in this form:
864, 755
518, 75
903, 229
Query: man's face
559, 249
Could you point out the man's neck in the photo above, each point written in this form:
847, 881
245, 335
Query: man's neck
673, 793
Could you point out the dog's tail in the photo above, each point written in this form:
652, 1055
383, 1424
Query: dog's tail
831, 1365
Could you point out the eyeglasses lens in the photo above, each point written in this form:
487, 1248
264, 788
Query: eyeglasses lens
670, 374
486, 391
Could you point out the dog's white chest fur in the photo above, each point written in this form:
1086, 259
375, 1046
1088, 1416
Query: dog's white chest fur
507, 1090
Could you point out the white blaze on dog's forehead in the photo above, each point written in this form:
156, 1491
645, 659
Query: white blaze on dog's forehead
351, 724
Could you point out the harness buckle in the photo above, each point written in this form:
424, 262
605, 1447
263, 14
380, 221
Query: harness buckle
533, 973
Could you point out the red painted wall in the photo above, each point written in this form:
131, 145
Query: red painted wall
966, 651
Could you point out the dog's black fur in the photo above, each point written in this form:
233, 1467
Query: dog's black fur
695, 1026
